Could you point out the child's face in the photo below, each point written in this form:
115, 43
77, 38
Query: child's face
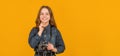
44, 15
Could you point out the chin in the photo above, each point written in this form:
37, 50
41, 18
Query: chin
44, 21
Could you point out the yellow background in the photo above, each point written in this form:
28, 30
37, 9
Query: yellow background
88, 27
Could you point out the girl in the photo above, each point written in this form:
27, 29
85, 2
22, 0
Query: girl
45, 38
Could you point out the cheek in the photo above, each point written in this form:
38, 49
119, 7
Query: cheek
48, 17
41, 16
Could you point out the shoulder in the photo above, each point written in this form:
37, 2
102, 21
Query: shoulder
55, 30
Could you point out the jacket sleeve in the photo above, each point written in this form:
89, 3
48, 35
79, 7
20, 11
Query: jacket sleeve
59, 43
34, 38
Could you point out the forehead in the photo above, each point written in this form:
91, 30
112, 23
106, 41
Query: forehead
44, 10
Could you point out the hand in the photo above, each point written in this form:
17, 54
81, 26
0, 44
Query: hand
51, 47
41, 28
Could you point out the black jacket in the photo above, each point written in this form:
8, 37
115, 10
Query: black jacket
56, 39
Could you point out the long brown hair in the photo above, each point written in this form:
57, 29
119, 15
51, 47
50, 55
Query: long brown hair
51, 21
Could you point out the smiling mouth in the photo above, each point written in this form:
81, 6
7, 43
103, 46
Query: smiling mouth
44, 18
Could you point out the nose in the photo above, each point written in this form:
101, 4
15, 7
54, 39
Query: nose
44, 16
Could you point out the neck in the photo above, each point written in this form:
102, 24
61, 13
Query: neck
45, 24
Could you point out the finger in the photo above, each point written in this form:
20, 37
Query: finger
48, 48
50, 43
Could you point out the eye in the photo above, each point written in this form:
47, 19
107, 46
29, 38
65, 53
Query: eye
47, 13
41, 13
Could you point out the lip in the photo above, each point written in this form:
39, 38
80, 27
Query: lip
44, 18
